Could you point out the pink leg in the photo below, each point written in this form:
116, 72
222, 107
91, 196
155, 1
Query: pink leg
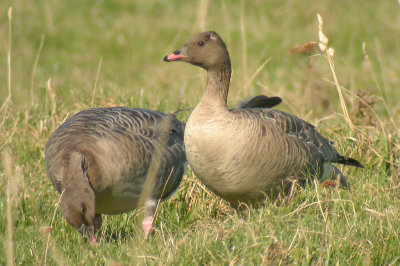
150, 207
97, 224
147, 226
94, 241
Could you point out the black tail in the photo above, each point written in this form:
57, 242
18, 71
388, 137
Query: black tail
261, 101
350, 161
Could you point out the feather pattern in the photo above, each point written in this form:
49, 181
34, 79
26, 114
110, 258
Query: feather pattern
243, 155
117, 144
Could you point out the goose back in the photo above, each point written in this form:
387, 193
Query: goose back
118, 144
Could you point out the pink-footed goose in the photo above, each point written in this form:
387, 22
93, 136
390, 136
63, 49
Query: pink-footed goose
99, 158
243, 155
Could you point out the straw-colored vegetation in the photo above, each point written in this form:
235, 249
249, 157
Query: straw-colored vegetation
59, 57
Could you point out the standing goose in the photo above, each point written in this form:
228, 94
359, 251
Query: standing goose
243, 155
99, 158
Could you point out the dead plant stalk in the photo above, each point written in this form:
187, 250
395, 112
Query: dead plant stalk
329, 53
7, 101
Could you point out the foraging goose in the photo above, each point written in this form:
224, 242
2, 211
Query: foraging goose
243, 155
98, 160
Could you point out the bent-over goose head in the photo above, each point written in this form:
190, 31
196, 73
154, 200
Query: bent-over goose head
78, 208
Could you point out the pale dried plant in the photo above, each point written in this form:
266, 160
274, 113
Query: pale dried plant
326, 232
202, 14
367, 61
329, 52
201, 25
96, 80
35, 67
13, 184
227, 22
46, 234
243, 37
155, 162
255, 74
52, 94
10, 133
323, 40
161, 196
4, 107
366, 104
7, 163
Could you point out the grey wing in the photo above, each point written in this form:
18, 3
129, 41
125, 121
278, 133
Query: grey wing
151, 124
129, 130
107, 120
300, 132
173, 162
306, 133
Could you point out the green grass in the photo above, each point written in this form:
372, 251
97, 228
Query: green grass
313, 226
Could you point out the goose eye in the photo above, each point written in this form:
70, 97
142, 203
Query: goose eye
200, 43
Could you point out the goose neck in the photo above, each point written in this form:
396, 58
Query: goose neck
218, 79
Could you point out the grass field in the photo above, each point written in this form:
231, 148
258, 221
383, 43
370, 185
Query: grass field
64, 56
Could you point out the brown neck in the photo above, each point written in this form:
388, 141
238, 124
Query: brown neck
74, 174
218, 79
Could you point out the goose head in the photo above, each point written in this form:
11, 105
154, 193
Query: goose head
78, 208
206, 50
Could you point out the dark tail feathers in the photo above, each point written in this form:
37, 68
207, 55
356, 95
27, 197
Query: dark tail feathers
261, 101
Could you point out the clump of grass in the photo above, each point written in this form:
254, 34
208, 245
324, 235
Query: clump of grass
363, 107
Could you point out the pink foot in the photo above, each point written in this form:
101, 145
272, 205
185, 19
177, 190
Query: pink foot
94, 241
147, 226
